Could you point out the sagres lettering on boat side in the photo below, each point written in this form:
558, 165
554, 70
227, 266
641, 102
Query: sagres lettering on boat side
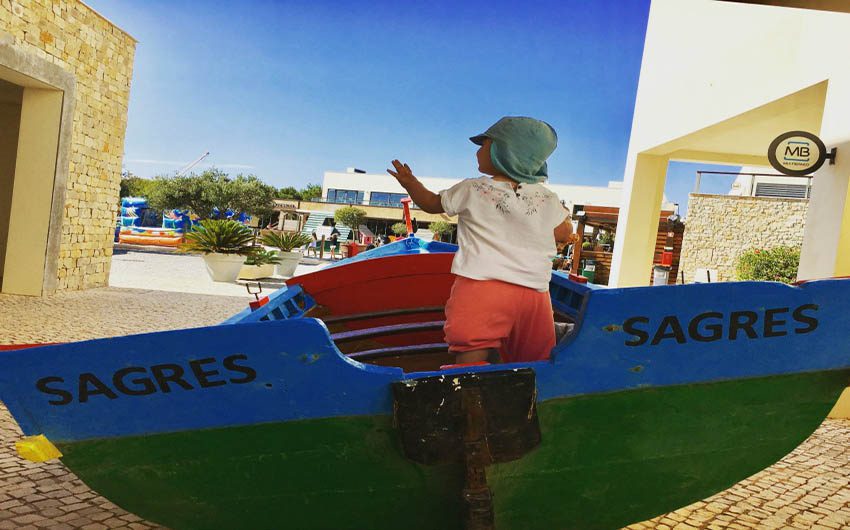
141, 381
711, 326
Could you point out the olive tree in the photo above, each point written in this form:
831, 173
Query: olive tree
211, 190
350, 216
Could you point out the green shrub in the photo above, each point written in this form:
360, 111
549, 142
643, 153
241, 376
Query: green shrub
223, 236
399, 229
442, 228
778, 264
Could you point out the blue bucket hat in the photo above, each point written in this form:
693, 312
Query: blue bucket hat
520, 147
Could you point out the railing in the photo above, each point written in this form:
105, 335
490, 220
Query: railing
698, 179
380, 204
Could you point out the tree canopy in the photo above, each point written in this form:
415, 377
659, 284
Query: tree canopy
213, 189
350, 216
133, 186
309, 192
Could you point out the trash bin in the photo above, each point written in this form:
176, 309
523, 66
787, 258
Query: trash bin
589, 270
353, 249
660, 275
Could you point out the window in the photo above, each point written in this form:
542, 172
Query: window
380, 198
345, 196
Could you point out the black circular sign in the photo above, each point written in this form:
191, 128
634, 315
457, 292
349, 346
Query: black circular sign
796, 153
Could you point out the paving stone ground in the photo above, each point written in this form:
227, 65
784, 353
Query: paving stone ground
809, 489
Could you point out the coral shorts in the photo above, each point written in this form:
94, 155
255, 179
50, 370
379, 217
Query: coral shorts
513, 319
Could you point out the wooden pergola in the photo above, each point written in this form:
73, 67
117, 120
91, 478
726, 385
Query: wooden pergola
605, 218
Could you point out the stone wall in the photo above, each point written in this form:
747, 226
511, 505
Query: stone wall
718, 228
100, 56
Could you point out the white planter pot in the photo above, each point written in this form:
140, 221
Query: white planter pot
255, 272
223, 267
288, 263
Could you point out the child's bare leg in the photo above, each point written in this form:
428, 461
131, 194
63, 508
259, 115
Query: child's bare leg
489, 354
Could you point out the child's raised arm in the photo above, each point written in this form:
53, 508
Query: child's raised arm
422, 196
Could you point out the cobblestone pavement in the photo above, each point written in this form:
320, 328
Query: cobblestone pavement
809, 489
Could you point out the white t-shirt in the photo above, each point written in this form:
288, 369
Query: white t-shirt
504, 234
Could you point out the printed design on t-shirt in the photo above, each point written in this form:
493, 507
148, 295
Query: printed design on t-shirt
534, 201
496, 196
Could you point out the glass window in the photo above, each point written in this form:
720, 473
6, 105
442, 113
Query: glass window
345, 196
380, 198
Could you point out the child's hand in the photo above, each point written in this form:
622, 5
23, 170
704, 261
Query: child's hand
402, 172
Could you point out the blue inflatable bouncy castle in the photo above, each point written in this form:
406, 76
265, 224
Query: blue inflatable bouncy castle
131, 211
132, 227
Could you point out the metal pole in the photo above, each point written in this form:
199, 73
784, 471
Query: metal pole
696, 183
193, 164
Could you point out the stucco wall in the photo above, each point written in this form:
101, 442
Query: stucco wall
100, 56
718, 228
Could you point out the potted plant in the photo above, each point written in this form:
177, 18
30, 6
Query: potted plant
352, 217
260, 264
606, 239
224, 243
289, 244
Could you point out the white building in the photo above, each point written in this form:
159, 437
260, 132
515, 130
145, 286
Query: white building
370, 189
764, 182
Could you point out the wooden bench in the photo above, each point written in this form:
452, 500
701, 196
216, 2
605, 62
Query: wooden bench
380, 353
380, 331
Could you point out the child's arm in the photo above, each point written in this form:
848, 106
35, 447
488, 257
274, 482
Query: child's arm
564, 232
422, 196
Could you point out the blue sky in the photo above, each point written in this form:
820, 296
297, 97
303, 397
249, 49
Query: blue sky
287, 90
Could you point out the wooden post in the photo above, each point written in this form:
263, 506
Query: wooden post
322, 248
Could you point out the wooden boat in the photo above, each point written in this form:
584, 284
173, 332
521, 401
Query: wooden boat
327, 407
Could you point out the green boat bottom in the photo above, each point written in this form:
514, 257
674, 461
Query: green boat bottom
606, 460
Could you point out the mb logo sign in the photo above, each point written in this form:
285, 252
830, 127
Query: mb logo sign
798, 153
797, 149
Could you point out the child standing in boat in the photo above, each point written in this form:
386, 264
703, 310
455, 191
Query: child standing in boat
508, 225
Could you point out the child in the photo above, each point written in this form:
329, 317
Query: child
312, 247
508, 225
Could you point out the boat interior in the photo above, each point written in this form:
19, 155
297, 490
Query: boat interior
377, 316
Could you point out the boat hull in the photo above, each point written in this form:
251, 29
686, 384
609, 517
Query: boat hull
606, 460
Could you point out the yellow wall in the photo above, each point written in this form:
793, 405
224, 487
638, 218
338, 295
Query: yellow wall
38, 142
10, 118
707, 97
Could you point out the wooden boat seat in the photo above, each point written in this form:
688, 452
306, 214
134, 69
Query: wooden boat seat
381, 314
415, 349
381, 331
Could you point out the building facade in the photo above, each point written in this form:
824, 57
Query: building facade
65, 75
380, 195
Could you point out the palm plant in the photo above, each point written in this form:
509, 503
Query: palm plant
261, 256
285, 241
221, 236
